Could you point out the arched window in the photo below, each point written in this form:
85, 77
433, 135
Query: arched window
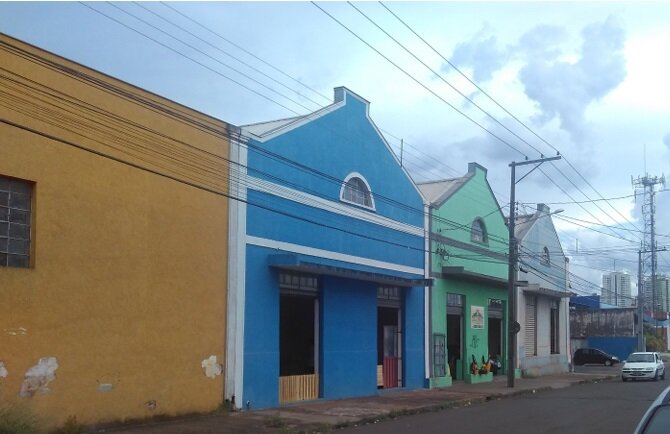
356, 190
545, 256
478, 231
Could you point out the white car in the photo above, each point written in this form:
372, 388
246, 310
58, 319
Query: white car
643, 365
657, 418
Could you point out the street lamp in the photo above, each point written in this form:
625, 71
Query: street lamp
513, 326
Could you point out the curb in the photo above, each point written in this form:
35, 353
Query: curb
458, 403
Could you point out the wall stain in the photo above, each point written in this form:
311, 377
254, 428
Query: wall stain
38, 377
211, 367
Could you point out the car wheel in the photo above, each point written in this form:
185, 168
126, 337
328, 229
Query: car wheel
608, 363
656, 375
663, 375
624, 379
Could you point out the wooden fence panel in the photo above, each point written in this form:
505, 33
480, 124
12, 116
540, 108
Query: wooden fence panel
298, 388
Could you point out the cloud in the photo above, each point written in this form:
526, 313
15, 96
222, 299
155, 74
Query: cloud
482, 54
565, 89
562, 82
542, 41
666, 140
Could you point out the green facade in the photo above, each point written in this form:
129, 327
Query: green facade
462, 264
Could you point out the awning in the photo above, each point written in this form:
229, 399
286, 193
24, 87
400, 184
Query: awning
295, 262
535, 288
461, 274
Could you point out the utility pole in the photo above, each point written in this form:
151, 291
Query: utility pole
513, 326
640, 302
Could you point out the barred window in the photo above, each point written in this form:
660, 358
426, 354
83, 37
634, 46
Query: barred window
478, 231
545, 257
15, 222
356, 191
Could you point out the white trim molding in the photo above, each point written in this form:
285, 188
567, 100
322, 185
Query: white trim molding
329, 254
237, 229
330, 206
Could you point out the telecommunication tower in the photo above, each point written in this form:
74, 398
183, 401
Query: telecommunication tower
647, 269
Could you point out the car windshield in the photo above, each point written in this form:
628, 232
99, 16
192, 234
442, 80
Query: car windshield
641, 358
659, 422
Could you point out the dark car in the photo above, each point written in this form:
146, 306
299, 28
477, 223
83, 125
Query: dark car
594, 356
657, 418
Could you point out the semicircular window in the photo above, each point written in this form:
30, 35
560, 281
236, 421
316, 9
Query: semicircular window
478, 231
545, 257
355, 190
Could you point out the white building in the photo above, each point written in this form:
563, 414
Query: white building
543, 297
616, 289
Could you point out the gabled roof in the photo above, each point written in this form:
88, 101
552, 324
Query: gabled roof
441, 190
525, 222
438, 192
267, 130
264, 131
262, 128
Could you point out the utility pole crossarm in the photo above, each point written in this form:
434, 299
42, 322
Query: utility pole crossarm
513, 326
537, 163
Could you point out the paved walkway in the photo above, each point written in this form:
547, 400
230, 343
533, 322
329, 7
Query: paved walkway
325, 416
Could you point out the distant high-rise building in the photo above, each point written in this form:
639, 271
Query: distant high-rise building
616, 289
662, 293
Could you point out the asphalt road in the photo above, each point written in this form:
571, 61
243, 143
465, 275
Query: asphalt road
610, 407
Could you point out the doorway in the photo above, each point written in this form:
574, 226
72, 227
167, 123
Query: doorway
455, 303
495, 328
298, 339
389, 338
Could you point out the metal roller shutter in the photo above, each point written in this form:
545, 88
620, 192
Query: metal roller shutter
531, 326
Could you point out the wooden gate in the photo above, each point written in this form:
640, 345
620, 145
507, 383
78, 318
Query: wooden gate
298, 388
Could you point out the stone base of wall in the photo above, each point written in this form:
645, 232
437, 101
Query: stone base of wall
544, 365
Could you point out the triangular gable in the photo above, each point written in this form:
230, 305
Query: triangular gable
265, 131
523, 227
443, 190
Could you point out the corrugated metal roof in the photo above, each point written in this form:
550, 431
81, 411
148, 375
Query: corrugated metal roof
439, 191
263, 128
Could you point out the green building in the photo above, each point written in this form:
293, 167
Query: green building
468, 262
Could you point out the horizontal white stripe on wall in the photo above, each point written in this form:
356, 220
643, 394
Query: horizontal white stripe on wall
330, 206
311, 251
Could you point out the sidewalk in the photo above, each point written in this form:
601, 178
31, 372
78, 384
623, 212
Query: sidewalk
324, 416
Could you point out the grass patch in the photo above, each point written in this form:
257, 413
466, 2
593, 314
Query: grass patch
71, 426
274, 421
18, 420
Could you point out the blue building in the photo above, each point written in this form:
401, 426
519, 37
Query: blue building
327, 282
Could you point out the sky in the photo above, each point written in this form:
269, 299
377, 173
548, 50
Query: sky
489, 82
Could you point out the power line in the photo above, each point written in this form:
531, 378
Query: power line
515, 118
417, 81
253, 68
218, 35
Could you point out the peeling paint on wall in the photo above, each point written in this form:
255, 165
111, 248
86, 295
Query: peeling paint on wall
3, 370
105, 387
38, 377
17, 331
211, 367
151, 405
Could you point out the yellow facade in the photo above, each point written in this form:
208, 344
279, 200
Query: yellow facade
128, 279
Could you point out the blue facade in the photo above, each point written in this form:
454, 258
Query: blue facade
300, 223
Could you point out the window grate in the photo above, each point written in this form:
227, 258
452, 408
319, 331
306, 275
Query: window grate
15, 222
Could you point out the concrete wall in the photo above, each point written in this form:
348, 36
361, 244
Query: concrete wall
349, 343
126, 294
605, 322
616, 346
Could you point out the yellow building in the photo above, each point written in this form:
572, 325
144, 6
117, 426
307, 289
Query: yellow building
113, 245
